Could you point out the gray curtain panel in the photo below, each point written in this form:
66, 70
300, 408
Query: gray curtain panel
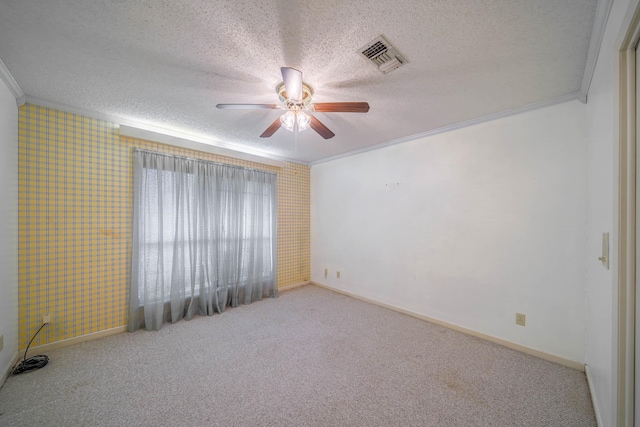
204, 238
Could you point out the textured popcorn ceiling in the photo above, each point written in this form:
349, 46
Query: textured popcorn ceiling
168, 63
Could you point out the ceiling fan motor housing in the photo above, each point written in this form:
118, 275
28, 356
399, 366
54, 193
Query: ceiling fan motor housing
307, 94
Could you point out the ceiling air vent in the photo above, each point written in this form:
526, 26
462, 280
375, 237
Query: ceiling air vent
382, 54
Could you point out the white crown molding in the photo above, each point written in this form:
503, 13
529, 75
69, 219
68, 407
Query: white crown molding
176, 138
76, 110
12, 84
573, 96
170, 137
597, 33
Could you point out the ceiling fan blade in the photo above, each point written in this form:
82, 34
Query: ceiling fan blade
273, 127
320, 128
247, 106
292, 79
341, 107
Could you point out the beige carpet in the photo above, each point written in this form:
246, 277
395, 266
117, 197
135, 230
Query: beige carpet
308, 358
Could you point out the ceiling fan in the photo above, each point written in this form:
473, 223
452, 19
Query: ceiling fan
296, 98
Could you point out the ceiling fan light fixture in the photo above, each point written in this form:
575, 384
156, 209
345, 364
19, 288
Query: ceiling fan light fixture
303, 121
289, 119
295, 119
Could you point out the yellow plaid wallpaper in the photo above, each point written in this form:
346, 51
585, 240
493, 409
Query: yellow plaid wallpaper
75, 202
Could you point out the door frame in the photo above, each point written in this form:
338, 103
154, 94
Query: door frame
627, 188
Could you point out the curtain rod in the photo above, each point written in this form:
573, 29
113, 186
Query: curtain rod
176, 156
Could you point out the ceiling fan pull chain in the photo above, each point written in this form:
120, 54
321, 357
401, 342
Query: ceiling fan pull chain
295, 134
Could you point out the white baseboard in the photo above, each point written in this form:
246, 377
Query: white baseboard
76, 340
295, 285
5, 375
518, 347
594, 400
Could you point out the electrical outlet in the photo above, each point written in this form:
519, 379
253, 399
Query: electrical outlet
46, 318
326, 272
338, 274
521, 319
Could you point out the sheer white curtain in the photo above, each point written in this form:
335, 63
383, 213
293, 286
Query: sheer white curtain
204, 237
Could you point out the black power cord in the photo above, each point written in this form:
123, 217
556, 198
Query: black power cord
34, 362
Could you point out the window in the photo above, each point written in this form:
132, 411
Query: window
204, 236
